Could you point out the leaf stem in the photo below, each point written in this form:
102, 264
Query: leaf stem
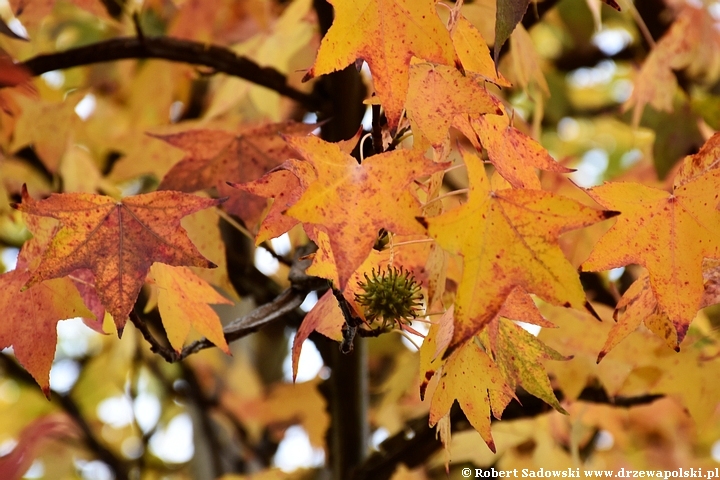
411, 242
461, 191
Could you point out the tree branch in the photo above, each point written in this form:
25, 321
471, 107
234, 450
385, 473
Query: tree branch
418, 441
218, 58
287, 301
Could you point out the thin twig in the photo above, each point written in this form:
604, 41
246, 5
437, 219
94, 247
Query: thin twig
461, 191
376, 130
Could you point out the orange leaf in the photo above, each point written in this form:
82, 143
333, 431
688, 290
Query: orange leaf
515, 155
437, 93
639, 305
215, 157
353, 202
667, 233
183, 300
508, 238
386, 34
30, 318
118, 241
285, 185
326, 318
11, 74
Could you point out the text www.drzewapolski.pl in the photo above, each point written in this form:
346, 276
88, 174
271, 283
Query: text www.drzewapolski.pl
706, 474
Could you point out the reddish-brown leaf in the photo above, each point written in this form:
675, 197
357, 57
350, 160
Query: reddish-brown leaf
29, 319
117, 240
215, 157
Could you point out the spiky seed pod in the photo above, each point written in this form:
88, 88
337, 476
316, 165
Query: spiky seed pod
391, 295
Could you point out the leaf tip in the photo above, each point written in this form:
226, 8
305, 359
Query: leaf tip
600, 356
309, 75
423, 386
592, 311
422, 221
610, 213
612, 4
46, 391
491, 445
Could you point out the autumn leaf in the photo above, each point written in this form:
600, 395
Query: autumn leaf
285, 185
705, 160
118, 241
469, 376
30, 317
525, 59
183, 300
581, 336
639, 305
299, 403
54, 426
473, 51
386, 34
32, 12
691, 37
518, 354
667, 233
40, 117
514, 155
43, 230
325, 318
353, 202
508, 239
11, 74
215, 157
437, 93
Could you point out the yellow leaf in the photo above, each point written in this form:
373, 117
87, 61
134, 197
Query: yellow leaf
183, 300
386, 34
508, 238
667, 233
473, 51
468, 376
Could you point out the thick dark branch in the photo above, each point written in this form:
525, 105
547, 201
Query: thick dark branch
218, 58
417, 442
286, 302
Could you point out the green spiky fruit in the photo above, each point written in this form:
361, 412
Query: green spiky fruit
391, 295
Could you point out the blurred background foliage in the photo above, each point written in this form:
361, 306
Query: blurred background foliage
214, 415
